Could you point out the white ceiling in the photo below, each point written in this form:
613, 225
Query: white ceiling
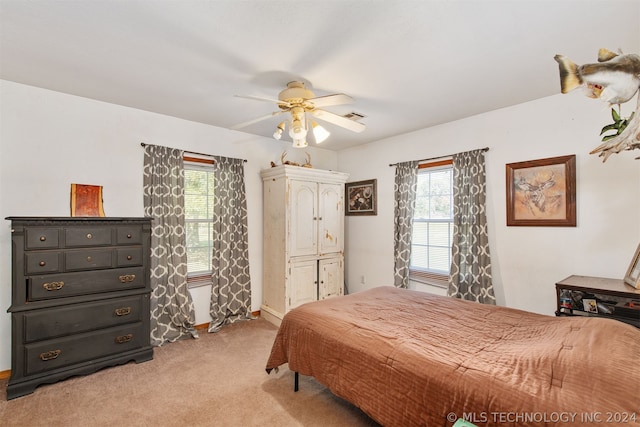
409, 64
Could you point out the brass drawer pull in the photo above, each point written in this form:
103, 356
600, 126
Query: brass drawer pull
53, 286
123, 311
89, 236
128, 236
124, 338
42, 263
43, 238
89, 259
129, 257
127, 278
50, 355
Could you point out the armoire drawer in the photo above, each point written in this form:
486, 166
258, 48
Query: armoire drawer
76, 318
51, 354
52, 286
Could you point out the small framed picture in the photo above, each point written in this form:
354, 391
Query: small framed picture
361, 198
590, 305
633, 272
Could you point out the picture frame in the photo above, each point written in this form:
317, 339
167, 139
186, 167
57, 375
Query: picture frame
361, 197
632, 276
590, 305
542, 192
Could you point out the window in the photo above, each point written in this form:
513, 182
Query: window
198, 201
433, 224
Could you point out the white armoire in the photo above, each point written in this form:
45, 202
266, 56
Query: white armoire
303, 238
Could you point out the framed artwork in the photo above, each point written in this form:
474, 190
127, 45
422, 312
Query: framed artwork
542, 192
361, 198
633, 272
86, 200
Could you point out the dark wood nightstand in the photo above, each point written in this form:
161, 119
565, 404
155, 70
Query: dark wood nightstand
598, 297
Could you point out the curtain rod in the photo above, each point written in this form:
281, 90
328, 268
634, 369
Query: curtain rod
436, 158
193, 152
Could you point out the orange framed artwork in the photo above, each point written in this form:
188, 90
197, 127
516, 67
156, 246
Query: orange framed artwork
542, 192
86, 200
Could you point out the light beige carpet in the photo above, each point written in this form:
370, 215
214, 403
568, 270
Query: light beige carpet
216, 380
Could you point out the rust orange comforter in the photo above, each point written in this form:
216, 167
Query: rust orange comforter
408, 358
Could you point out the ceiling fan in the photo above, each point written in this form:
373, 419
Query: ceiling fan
300, 102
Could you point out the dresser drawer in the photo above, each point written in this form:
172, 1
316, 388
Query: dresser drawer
87, 236
40, 262
41, 238
129, 256
57, 353
129, 235
76, 318
88, 259
83, 283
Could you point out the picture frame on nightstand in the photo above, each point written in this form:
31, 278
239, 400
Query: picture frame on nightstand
632, 277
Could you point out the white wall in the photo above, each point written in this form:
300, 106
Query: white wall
526, 261
49, 140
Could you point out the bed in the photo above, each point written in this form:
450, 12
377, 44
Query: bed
408, 358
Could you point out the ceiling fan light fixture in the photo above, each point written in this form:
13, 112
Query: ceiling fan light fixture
278, 133
300, 143
297, 130
319, 132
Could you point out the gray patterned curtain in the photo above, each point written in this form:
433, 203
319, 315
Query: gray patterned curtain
404, 205
172, 312
231, 283
470, 274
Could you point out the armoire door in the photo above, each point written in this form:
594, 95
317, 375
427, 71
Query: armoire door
303, 283
330, 218
303, 224
331, 276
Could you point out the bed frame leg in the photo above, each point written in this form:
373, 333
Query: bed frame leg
295, 381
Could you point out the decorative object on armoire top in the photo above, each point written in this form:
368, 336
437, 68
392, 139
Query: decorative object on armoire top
361, 197
299, 101
614, 79
632, 277
306, 164
86, 200
542, 192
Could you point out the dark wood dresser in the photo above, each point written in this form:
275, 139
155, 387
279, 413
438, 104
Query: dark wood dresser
80, 297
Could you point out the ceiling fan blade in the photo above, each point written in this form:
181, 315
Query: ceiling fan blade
352, 125
259, 98
336, 99
259, 119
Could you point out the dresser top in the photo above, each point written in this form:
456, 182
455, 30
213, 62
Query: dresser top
74, 218
611, 286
